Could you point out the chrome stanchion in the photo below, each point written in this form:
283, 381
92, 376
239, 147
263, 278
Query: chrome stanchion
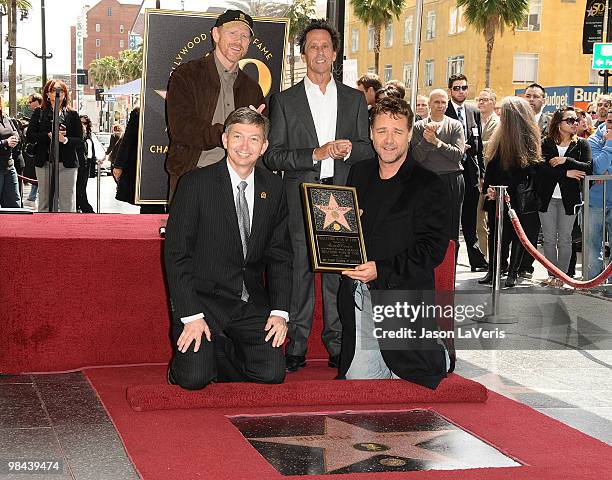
495, 316
98, 171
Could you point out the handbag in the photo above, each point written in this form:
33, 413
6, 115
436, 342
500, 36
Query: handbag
527, 199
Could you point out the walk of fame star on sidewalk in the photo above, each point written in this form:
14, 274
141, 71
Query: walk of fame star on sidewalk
345, 444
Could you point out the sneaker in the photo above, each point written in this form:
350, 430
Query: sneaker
525, 274
547, 281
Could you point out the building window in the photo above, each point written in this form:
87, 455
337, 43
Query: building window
121, 29
109, 12
430, 32
97, 42
389, 34
408, 30
456, 20
370, 37
532, 20
388, 73
97, 27
455, 65
354, 39
428, 78
525, 69
97, 55
407, 74
121, 44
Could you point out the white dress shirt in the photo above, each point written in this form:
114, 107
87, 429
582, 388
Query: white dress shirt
324, 110
249, 193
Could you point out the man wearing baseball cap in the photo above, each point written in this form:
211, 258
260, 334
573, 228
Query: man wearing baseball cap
203, 92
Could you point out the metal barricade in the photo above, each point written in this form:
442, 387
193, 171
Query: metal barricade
585, 219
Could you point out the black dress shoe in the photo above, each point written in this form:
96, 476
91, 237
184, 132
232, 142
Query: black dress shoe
480, 268
487, 279
294, 362
334, 361
511, 280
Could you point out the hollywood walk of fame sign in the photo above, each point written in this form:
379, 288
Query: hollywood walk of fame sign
410, 440
333, 227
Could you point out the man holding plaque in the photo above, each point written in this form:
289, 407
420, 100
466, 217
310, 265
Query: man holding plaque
226, 325
203, 92
405, 229
319, 128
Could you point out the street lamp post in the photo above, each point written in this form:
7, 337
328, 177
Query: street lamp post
44, 57
3, 12
44, 44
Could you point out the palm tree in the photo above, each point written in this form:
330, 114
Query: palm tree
130, 64
259, 8
491, 16
377, 13
11, 7
105, 71
299, 14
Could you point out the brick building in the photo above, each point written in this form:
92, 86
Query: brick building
107, 30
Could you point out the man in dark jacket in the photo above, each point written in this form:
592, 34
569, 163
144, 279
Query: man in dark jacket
405, 229
203, 92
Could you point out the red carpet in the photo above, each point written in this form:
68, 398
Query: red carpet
200, 443
308, 392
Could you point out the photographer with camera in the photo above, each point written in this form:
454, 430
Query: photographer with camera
71, 146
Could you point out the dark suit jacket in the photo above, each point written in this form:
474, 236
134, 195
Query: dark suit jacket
473, 164
204, 262
578, 158
293, 138
407, 239
41, 124
193, 91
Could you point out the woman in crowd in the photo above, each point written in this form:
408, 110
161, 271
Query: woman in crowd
87, 157
514, 154
585, 124
70, 146
9, 138
567, 161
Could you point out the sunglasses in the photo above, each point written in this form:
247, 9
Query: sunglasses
607, 104
592, 113
570, 120
456, 88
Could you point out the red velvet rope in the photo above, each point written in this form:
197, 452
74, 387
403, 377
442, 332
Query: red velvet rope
26, 179
599, 279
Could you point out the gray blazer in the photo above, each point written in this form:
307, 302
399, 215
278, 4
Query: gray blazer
488, 129
293, 138
446, 158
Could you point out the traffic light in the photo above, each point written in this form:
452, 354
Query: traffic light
82, 77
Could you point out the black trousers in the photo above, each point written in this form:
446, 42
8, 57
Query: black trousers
82, 203
531, 225
237, 353
456, 190
469, 214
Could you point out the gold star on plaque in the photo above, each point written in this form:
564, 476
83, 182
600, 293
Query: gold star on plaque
334, 213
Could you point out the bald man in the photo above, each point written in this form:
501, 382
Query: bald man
438, 143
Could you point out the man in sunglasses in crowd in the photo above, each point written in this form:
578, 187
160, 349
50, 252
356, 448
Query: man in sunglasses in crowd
473, 165
604, 103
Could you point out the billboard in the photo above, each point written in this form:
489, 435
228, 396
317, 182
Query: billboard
575, 96
172, 38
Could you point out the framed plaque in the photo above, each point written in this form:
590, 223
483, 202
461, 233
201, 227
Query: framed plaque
333, 227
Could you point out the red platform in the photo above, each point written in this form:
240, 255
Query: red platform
87, 290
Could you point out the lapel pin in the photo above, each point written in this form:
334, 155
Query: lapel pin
264, 195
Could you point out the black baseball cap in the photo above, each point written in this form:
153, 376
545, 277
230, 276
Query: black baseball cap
235, 16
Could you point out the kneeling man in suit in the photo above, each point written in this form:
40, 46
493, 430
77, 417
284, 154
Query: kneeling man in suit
229, 265
405, 228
